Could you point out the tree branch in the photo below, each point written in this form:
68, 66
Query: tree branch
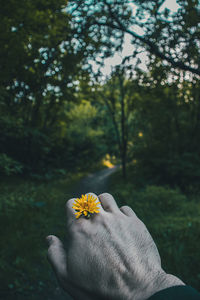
152, 47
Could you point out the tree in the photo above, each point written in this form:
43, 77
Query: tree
37, 57
167, 114
171, 36
40, 59
118, 96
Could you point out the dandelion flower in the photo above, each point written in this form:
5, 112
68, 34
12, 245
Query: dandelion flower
86, 205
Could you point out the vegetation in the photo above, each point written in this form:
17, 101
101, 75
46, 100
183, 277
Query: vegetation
173, 220
30, 210
168, 35
61, 116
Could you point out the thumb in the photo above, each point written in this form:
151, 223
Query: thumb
57, 257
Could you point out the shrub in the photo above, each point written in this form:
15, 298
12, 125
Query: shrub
161, 199
9, 166
29, 211
172, 219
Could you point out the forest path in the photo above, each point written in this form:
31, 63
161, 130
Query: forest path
97, 183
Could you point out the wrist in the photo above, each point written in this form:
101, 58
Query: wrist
161, 281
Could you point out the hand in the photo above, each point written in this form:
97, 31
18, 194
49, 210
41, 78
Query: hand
109, 256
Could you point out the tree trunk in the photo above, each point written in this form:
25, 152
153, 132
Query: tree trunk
123, 159
124, 143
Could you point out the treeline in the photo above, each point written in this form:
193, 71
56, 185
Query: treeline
156, 121
58, 115
40, 64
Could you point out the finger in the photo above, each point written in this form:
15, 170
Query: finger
108, 202
57, 257
127, 211
71, 212
101, 210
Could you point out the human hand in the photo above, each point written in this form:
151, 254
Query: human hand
109, 256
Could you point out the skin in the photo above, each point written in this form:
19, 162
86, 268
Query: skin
109, 256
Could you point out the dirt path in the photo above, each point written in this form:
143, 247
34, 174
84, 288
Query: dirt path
96, 183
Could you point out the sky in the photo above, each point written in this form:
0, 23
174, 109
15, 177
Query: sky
129, 48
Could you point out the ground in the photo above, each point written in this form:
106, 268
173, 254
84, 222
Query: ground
97, 183
30, 210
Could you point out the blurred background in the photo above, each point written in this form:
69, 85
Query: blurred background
97, 96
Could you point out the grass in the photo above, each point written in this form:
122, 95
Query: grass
29, 211
172, 218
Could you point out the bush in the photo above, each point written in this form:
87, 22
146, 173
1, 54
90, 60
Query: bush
172, 219
160, 199
29, 211
9, 166
157, 200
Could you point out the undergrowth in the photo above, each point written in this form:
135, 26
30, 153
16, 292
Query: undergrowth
172, 218
29, 211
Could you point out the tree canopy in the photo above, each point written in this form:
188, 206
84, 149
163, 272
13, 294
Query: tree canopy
54, 107
171, 36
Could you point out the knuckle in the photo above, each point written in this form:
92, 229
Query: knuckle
82, 231
78, 227
106, 221
98, 218
106, 195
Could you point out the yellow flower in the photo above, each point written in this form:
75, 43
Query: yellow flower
86, 205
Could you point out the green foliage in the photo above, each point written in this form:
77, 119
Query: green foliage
9, 166
173, 220
56, 119
160, 31
161, 199
167, 117
80, 119
29, 211
41, 61
55, 116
